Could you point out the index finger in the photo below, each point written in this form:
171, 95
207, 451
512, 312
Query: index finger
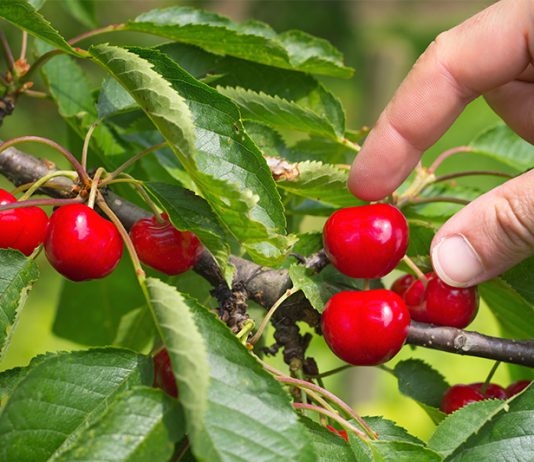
483, 53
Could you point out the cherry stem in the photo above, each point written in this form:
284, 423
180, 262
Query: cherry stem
366, 284
331, 372
43, 180
333, 398
452, 176
333, 416
23, 45
82, 174
40, 203
86, 141
125, 237
39, 62
7, 51
36, 94
318, 399
270, 313
131, 161
486, 383
92, 33
429, 200
446, 154
151, 204
245, 330
411, 264
94, 187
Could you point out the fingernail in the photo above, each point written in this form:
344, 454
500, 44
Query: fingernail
456, 262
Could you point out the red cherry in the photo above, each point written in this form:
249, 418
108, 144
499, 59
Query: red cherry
402, 284
342, 433
458, 396
367, 241
441, 304
365, 328
82, 245
163, 375
163, 247
517, 387
23, 229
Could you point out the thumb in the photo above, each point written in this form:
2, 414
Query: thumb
488, 236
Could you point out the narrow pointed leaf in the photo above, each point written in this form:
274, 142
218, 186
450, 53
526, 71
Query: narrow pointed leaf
23, 15
239, 411
251, 40
216, 152
17, 276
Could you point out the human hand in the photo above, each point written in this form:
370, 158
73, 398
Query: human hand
490, 54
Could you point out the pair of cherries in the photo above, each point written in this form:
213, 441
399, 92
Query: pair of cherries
369, 327
460, 395
82, 245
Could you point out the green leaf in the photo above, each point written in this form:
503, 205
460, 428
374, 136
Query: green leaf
508, 436
111, 298
390, 431
251, 40
71, 91
136, 330
402, 451
321, 182
60, 395
293, 86
301, 280
456, 429
421, 235
190, 212
140, 425
278, 112
23, 15
512, 311
328, 446
225, 165
503, 144
322, 150
17, 276
521, 278
421, 382
83, 11
235, 410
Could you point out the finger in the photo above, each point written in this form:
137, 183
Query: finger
514, 102
488, 236
483, 53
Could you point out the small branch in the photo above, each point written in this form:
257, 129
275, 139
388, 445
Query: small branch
452, 176
7, 51
472, 343
92, 33
446, 154
429, 200
39, 62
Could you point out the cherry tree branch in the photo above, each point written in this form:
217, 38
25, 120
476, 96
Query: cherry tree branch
266, 285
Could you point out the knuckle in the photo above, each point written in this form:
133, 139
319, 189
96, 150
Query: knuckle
514, 216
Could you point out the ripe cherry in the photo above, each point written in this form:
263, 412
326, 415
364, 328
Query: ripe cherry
163, 375
82, 245
365, 328
516, 387
24, 228
367, 241
458, 396
163, 247
441, 304
402, 284
341, 433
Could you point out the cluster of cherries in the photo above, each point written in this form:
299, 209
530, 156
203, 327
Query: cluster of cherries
82, 245
458, 396
369, 327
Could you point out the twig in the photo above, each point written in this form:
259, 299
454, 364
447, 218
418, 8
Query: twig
452, 176
7, 51
92, 33
446, 154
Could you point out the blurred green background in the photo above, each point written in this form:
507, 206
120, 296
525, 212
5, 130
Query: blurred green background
381, 39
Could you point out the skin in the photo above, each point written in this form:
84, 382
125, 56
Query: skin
490, 54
